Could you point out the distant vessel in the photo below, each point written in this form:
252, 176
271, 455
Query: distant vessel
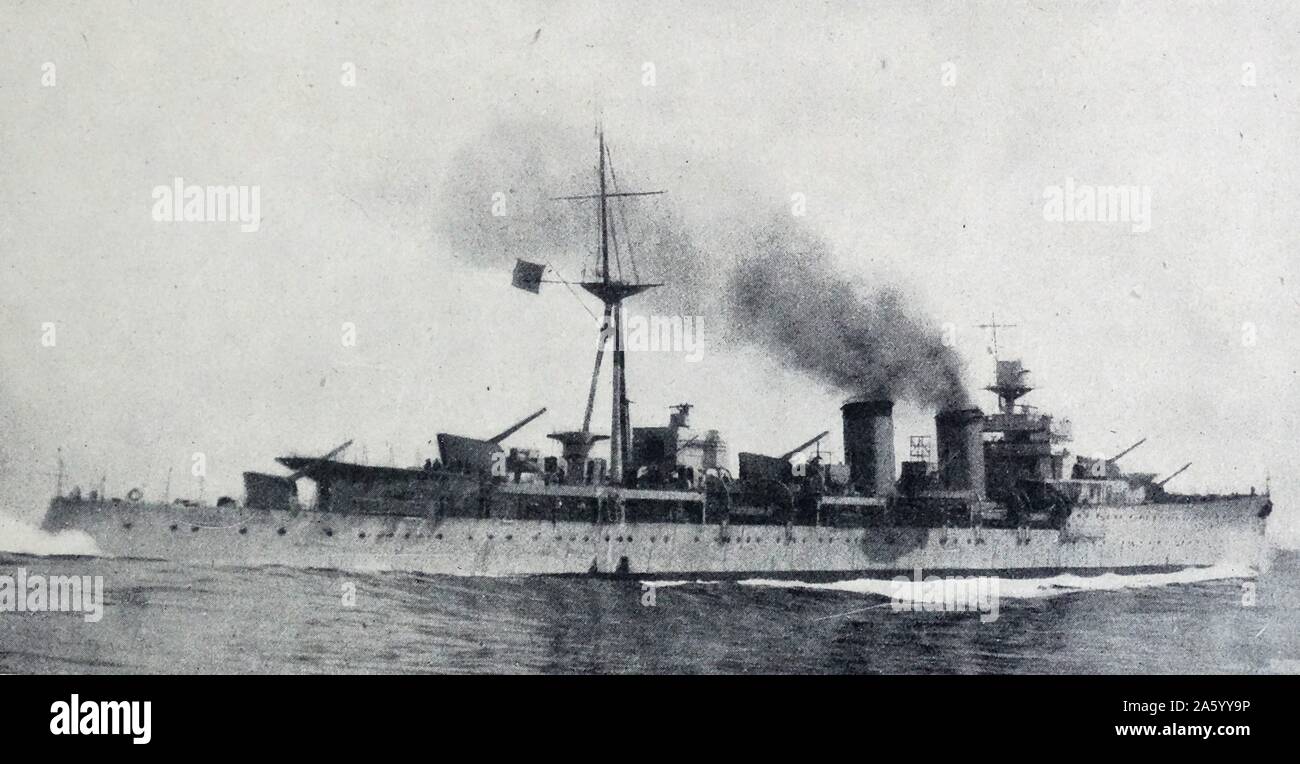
1000, 496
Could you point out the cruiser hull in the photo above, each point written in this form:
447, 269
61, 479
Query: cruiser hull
1094, 539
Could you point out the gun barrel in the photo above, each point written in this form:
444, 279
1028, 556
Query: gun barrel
802, 446
1125, 452
517, 426
1178, 472
333, 452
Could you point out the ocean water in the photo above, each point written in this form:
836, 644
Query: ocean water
164, 617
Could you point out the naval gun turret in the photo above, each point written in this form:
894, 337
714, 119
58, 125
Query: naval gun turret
1102, 469
264, 491
762, 467
463, 454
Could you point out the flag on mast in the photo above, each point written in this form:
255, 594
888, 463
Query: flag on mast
528, 276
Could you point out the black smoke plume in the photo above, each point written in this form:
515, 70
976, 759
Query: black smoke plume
773, 284
788, 296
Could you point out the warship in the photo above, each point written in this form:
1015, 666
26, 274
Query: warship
996, 493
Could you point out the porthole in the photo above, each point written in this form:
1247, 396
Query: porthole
173, 528
361, 535
280, 531
243, 531
329, 531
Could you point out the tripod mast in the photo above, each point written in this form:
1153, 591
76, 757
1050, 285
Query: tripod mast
612, 291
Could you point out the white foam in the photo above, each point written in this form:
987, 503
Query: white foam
19, 537
1022, 588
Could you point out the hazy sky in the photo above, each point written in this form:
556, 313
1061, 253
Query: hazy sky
922, 136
